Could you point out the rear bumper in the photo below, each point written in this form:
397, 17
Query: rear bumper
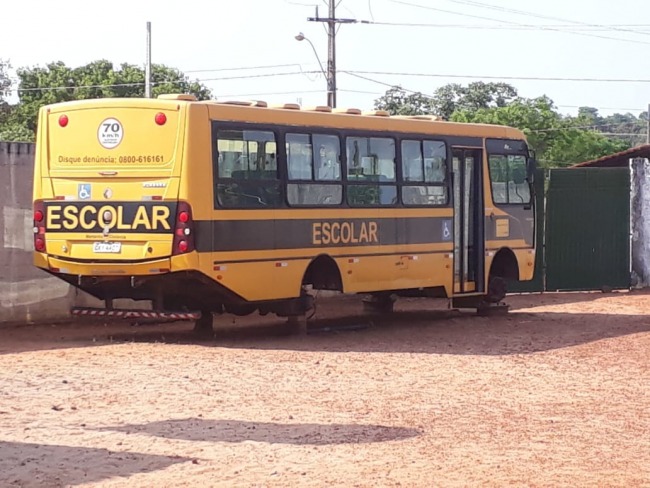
62, 266
181, 262
153, 281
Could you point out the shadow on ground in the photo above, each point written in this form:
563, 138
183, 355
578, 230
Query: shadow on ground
416, 328
196, 429
25, 464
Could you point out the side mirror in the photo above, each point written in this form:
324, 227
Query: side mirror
532, 166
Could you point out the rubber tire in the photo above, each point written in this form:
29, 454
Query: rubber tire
203, 326
497, 289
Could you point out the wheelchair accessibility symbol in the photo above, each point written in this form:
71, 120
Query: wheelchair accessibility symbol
446, 230
83, 191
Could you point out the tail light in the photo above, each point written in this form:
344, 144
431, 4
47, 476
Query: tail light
39, 226
183, 230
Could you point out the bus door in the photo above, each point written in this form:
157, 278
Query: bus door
468, 222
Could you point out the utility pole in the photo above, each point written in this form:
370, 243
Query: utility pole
331, 48
147, 66
331, 56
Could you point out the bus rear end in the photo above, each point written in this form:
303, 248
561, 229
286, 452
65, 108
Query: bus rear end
107, 215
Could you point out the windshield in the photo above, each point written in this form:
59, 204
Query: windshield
508, 177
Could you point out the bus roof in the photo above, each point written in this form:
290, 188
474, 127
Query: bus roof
256, 111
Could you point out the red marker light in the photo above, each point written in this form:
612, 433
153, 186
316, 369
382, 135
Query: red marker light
160, 118
183, 216
38, 216
63, 120
182, 246
39, 244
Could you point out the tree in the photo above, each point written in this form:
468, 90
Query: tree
558, 140
57, 82
397, 102
5, 81
5, 87
15, 132
475, 96
575, 146
447, 99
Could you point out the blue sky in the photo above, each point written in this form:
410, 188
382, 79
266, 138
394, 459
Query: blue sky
245, 49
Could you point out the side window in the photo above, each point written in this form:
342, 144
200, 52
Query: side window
424, 172
371, 171
314, 169
412, 168
435, 162
299, 157
508, 178
327, 162
247, 169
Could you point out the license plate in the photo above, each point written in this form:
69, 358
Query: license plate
107, 247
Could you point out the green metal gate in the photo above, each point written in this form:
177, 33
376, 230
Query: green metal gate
587, 240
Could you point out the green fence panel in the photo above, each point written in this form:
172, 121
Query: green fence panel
588, 229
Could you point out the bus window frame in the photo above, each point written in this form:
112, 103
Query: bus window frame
446, 184
280, 132
378, 183
491, 149
216, 126
284, 163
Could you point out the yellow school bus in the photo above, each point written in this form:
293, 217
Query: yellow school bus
205, 207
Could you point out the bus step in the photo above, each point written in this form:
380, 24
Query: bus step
134, 314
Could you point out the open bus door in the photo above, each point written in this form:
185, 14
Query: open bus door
469, 229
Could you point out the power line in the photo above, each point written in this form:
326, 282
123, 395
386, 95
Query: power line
391, 85
114, 85
491, 77
515, 23
594, 127
560, 27
603, 108
260, 94
537, 16
642, 134
355, 73
294, 92
243, 68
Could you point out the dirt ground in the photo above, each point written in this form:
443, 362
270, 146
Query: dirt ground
556, 393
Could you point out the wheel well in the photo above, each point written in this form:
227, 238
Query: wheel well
505, 265
323, 274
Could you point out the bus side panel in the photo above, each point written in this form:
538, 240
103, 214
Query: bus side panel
196, 183
406, 270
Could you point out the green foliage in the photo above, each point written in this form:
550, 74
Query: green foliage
13, 132
475, 96
5, 80
57, 82
557, 139
447, 99
577, 145
397, 102
632, 128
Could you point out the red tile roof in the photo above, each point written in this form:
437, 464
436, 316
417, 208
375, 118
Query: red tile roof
617, 160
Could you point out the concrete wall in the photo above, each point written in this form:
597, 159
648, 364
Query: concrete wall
640, 221
27, 294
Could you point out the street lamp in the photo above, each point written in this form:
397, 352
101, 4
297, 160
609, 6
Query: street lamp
330, 75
